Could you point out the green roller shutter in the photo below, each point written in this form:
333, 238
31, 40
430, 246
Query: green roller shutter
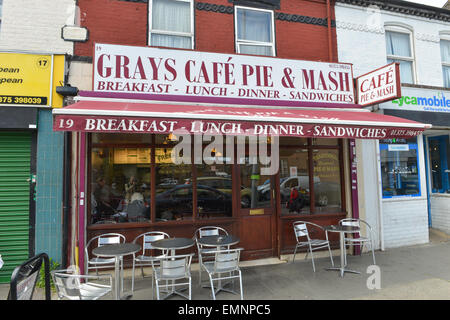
15, 153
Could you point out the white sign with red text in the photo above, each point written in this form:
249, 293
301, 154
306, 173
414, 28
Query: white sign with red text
219, 77
379, 85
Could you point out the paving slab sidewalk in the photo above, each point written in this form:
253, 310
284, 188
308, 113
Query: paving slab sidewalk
419, 272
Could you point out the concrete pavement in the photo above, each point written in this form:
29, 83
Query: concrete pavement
417, 272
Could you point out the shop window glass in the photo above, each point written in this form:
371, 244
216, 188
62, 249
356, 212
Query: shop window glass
325, 142
327, 180
256, 190
294, 181
439, 155
398, 49
291, 141
214, 191
254, 31
399, 167
1, 4
173, 188
171, 23
120, 184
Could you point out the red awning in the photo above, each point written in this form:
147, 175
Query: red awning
163, 118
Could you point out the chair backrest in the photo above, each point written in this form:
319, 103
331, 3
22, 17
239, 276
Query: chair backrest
175, 266
67, 285
210, 231
110, 238
352, 222
104, 239
148, 238
71, 285
227, 260
300, 229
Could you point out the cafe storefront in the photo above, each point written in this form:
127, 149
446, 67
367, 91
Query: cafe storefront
173, 162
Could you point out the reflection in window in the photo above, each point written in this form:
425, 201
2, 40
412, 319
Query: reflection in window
256, 189
327, 180
399, 167
173, 188
294, 181
439, 153
120, 184
214, 186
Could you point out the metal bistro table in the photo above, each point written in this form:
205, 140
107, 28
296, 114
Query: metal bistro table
117, 251
219, 241
342, 231
173, 244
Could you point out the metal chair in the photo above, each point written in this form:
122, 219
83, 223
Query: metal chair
80, 287
145, 259
301, 231
352, 222
169, 270
102, 240
204, 252
225, 262
102, 263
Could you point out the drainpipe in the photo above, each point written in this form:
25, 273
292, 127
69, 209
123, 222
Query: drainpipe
330, 40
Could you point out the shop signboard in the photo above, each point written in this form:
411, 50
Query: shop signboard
180, 75
379, 85
420, 99
30, 79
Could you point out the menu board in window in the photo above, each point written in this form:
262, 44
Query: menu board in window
131, 155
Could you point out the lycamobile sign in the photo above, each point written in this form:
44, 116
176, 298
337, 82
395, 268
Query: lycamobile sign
420, 100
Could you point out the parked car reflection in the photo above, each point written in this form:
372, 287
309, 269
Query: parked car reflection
325, 192
225, 185
176, 203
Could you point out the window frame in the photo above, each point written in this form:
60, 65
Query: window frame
310, 147
417, 147
440, 138
172, 33
412, 58
446, 64
152, 144
239, 42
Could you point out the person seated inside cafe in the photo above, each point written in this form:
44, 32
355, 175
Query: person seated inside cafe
102, 194
296, 202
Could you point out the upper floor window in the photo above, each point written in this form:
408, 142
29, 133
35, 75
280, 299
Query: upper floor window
254, 31
171, 23
399, 49
1, 4
445, 56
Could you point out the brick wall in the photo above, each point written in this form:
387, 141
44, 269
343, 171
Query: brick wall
36, 25
112, 21
125, 22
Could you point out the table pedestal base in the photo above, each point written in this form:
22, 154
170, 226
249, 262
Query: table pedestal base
343, 270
